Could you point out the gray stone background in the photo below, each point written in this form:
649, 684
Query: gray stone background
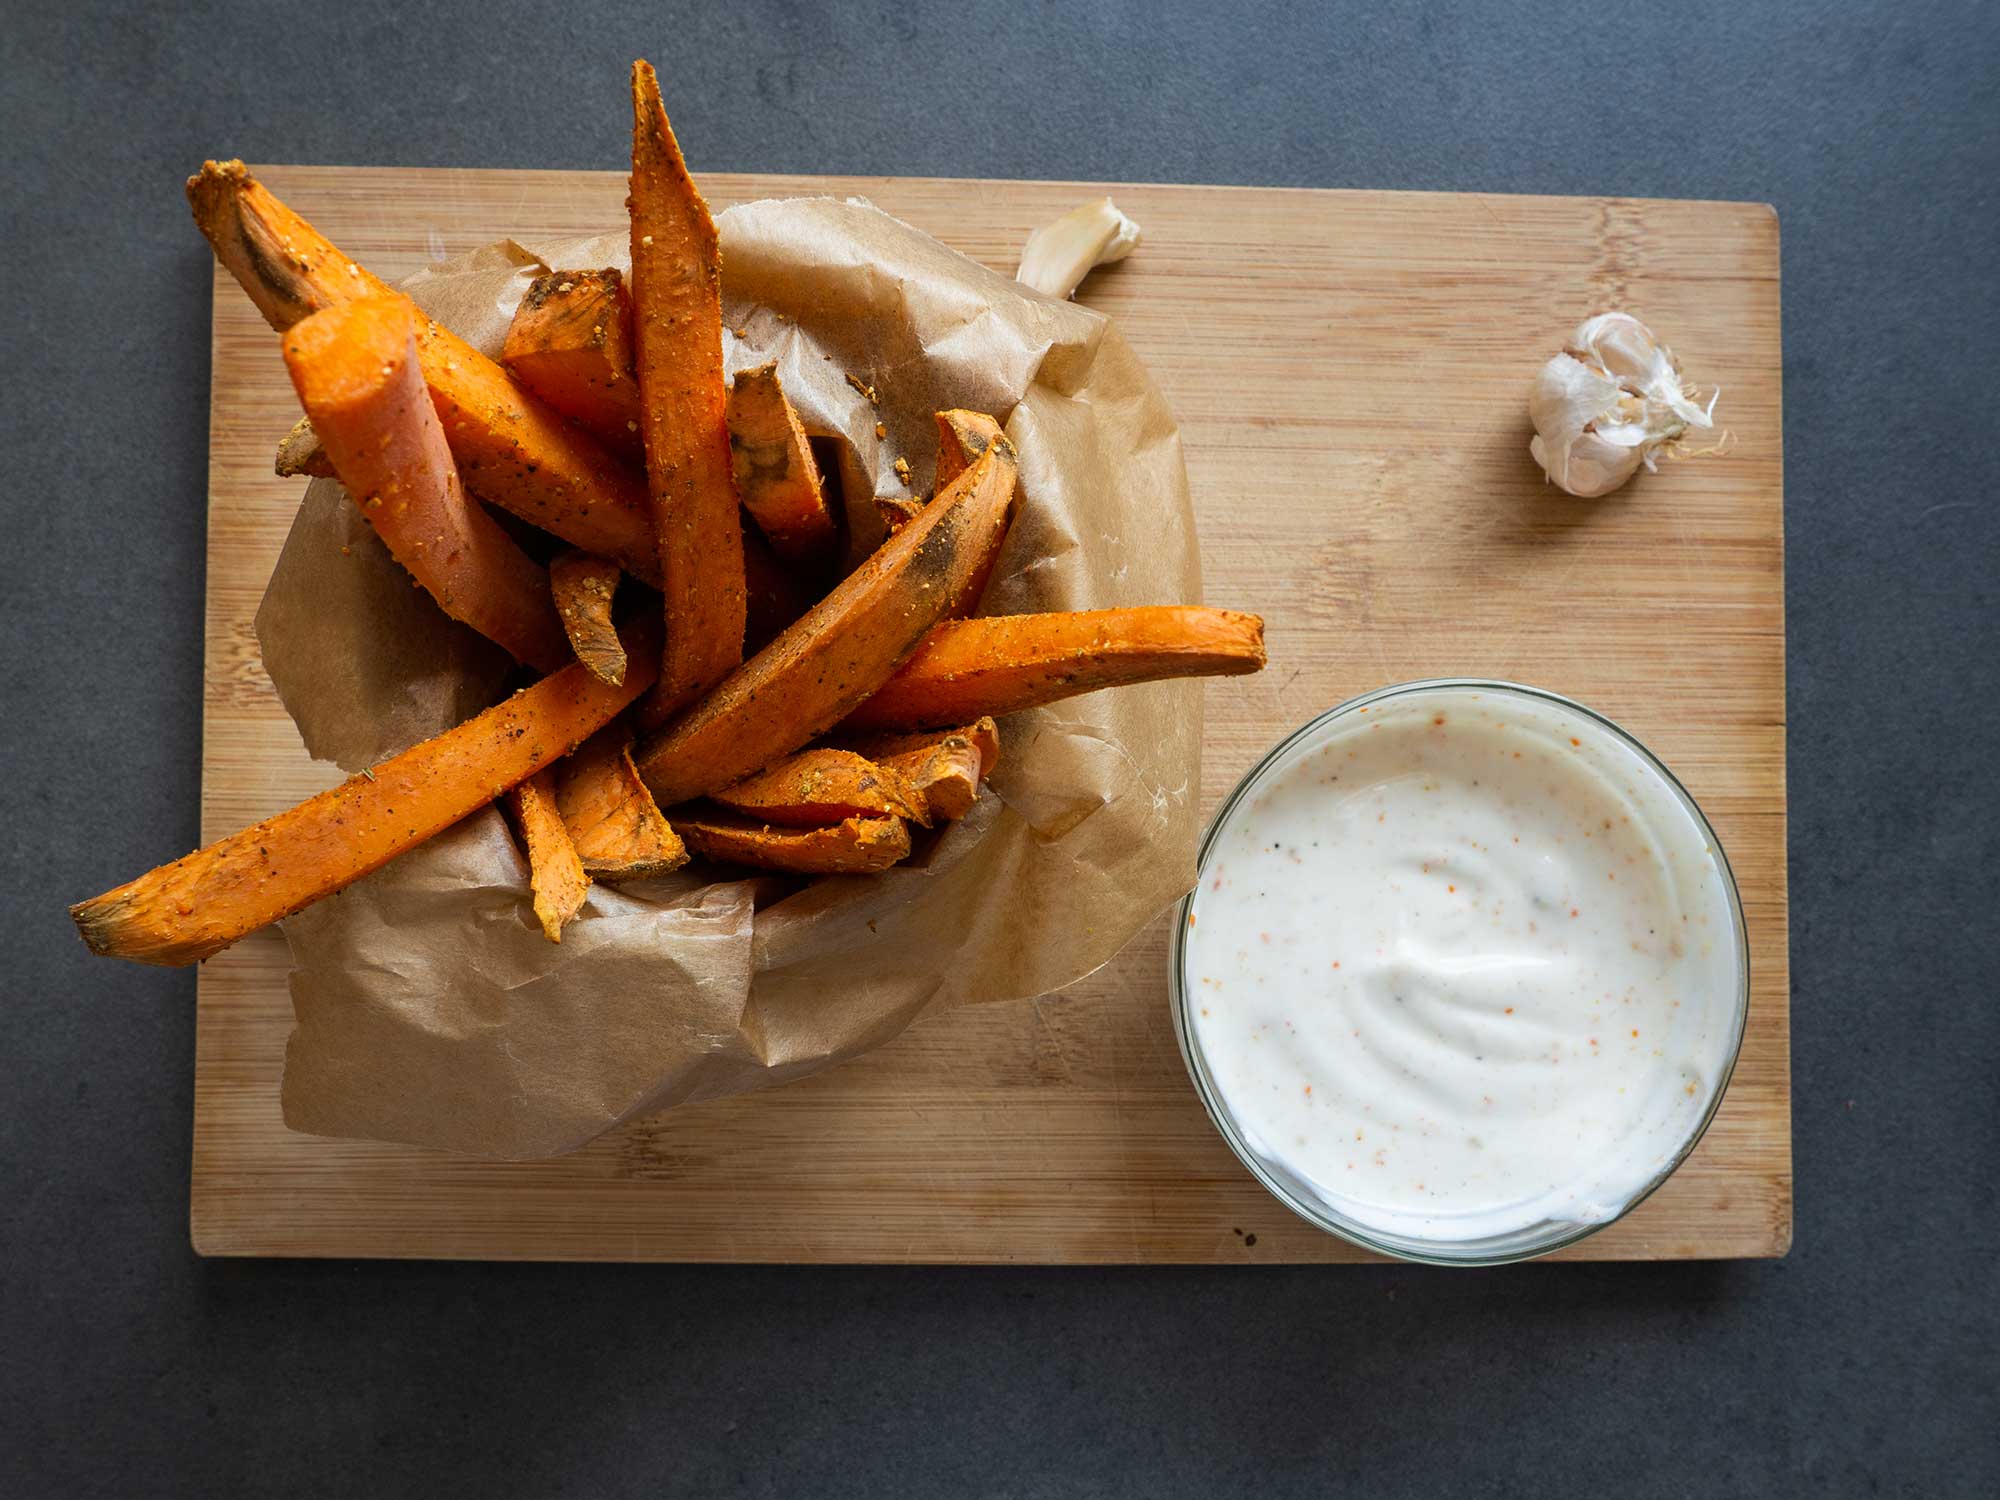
1862, 1364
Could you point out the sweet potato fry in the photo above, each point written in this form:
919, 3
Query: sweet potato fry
201, 903
969, 668
858, 846
815, 788
677, 341
613, 821
946, 777
845, 648
776, 477
555, 874
355, 369
962, 437
583, 587
944, 767
299, 452
510, 448
982, 734
571, 344
772, 597
897, 511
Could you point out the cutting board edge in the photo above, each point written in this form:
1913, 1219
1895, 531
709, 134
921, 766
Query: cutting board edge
1760, 208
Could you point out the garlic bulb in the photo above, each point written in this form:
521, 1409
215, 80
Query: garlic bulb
1612, 400
1058, 256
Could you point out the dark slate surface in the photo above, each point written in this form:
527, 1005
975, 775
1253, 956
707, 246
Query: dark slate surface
1863, 1364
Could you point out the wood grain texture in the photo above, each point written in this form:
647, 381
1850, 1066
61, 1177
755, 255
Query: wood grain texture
1349, 371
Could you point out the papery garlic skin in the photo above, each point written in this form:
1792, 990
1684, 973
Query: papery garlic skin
1611, 401
1059, 255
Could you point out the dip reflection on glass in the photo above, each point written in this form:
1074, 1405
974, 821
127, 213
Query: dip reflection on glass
1464, 963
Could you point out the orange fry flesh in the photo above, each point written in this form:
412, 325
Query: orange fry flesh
356, 372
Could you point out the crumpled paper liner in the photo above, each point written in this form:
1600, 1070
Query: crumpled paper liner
429, 1007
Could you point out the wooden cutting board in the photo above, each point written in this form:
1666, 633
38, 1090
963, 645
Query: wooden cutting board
1349, 370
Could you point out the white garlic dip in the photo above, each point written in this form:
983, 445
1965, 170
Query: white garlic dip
1464, 963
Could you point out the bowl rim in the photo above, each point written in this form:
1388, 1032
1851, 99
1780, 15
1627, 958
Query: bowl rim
1440, 1252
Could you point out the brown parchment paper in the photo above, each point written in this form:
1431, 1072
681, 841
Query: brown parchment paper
429, 1007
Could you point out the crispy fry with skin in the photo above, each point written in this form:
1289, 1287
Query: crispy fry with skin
583, 588
355, 370
815, 788
677, 342
842, 651
776, 477
186, 911
511, 449
555, 874
613, 821
299, 452
571, 344
971, 668
857, 846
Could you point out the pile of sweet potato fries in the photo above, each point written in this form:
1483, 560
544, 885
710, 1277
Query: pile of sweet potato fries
609, 424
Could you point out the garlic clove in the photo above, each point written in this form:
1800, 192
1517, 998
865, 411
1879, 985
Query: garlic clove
1618, 344
1568, 396
1592, 466
1059, 255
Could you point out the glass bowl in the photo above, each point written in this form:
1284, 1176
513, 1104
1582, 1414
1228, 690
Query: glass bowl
1299, 1194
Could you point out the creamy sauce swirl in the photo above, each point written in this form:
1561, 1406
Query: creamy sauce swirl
1463, 966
